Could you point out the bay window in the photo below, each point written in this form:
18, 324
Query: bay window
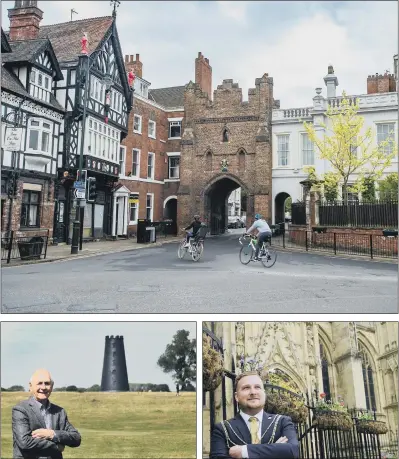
39, 136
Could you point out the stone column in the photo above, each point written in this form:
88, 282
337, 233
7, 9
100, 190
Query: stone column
306, 192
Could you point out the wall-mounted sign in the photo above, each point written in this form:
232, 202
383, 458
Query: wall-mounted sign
133, 200
13, 138
101, 166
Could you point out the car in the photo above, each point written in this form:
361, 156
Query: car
235, 222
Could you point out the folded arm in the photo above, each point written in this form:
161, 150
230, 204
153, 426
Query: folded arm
23, 436
288, 450
68, 436
219, 449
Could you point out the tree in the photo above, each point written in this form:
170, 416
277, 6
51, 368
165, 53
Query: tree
288, 204
368, 194
16, 389
349, 149
71, 389
388, 187
94, 388
180, 357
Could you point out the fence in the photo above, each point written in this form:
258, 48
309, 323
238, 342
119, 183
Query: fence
298, 213
29, 247
370, 245
361, 214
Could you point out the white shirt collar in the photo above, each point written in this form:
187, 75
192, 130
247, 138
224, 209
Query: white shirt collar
246, 416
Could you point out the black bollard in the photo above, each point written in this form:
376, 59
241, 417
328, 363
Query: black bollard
114, 377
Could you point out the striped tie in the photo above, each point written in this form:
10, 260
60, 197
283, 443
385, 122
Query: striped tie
253, 422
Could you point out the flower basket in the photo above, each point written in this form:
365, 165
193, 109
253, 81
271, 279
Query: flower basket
333, 420
370, 426
212, 366
278, 402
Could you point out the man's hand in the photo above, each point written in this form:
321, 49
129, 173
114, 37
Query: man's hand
236, 452
282, 440
48, 434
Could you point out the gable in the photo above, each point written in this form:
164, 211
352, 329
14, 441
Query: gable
43, 59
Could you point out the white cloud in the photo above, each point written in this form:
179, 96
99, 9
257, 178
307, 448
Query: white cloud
234, 10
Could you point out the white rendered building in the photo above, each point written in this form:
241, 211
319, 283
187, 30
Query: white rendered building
292, 150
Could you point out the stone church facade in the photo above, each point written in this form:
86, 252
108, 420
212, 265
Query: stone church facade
225, 144
356, 361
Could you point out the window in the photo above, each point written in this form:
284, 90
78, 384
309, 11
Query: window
30, 209
39, 136
149, 207
174, 167
385, 132
133, 208
151, 129
40, 85
225, 135
352, 197
97, 89
283, 149
368, 379
151, 169
122, 159
174, 129
307, 151
137, 124
103, 141
324, 372
135, 163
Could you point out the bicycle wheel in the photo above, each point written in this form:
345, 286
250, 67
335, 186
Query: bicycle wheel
246, 254
181, 251
270, 257
196, 252
200, 248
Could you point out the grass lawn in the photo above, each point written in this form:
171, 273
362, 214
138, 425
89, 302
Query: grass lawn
120, 425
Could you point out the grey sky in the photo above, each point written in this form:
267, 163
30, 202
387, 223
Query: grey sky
292, 41
73, 351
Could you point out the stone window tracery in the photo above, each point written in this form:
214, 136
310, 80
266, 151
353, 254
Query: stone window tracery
368, 378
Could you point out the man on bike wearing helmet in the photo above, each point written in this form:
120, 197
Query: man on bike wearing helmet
195, 225
264, 232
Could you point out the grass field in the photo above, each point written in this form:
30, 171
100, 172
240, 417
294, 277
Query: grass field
119, 425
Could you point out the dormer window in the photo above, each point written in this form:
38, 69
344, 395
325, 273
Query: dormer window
40, 85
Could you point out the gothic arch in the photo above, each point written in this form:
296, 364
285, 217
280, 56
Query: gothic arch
225, 133
241, 159
291, 374
369, 371
224, 175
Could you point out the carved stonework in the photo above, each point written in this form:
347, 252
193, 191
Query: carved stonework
240, 344
310, 343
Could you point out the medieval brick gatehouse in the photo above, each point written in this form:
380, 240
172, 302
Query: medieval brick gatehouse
225, 144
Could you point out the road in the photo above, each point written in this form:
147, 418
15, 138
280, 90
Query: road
154, 280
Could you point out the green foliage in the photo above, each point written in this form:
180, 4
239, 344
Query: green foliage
16, 389
388, 187
71, 389
94, 388
349, 148
368, 185
180, 358
287, 206
330, 186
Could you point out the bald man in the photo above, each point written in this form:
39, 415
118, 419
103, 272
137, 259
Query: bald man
40, 428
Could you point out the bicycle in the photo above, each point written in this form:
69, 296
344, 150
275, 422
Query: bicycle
195, 247
267, 255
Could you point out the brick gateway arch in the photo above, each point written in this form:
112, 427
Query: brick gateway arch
226, 144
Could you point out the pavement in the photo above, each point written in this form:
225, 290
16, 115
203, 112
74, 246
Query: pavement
118, 278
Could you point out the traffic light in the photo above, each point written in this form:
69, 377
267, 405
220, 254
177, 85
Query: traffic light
91, 189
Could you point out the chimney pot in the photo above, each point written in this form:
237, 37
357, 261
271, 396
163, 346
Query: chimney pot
137, 57
126, 58
131, 58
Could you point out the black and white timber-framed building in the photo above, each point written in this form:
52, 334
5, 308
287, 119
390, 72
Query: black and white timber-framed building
101, 152
32, 120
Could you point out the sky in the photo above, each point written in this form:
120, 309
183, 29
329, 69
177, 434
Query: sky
73, 352
294, 42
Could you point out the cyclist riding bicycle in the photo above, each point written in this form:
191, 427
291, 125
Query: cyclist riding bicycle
195, 225
264, 232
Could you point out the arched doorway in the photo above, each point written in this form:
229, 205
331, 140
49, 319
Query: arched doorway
280, 202
216, 197
170, 212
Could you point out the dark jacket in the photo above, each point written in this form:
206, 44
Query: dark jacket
220, 445
195, 225
26, 418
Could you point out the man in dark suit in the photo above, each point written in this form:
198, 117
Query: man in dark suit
253, 433
40, 428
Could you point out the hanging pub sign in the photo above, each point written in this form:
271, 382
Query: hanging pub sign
13, 138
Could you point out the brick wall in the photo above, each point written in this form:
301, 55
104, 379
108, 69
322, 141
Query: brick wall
381, 83
24, 23
203, 74
249, 134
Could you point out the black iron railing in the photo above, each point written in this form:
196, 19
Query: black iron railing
361, 214
32, 247
369, 245
298, 213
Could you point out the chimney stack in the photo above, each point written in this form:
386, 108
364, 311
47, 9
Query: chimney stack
134, 64
203, 74
114, 377
377, 84
25, 18
331, 82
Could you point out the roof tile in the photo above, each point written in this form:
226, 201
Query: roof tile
168, 97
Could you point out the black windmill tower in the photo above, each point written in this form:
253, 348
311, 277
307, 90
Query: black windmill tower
114, 378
